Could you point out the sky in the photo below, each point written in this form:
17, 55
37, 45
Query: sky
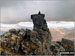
15, 11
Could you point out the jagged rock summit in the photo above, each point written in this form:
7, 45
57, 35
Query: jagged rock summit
32, 42
40, 26
27, 42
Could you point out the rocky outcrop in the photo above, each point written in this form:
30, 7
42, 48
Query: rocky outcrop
29, 42
44, 35
68, 44
32, 42
21, 43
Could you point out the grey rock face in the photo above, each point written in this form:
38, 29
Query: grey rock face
40, 26
68, 44
39, 22
36, 42
13, 31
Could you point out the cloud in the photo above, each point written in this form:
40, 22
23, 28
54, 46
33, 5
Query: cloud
28, 25
15, 11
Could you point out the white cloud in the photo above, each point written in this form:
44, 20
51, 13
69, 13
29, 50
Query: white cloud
29, 25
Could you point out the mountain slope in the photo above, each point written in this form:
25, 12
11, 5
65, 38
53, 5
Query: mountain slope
56, 34
70, 35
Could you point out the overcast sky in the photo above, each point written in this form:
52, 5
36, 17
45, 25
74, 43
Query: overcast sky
14, 11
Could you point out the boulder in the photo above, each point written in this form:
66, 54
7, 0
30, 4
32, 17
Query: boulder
68, 44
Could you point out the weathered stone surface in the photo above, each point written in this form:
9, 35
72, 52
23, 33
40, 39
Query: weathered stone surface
39, 22
36, 42
68, 44
44, 36
13, 31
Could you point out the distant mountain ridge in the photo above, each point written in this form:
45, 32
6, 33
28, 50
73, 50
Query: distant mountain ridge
60, 32
57, 30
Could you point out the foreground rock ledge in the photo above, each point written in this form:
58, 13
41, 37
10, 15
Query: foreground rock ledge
26, 42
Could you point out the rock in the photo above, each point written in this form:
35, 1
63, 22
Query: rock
44, 36
7, 34
27, 34
33, 42
68, 44
52, 47
13, 31
1, 51
28, 46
